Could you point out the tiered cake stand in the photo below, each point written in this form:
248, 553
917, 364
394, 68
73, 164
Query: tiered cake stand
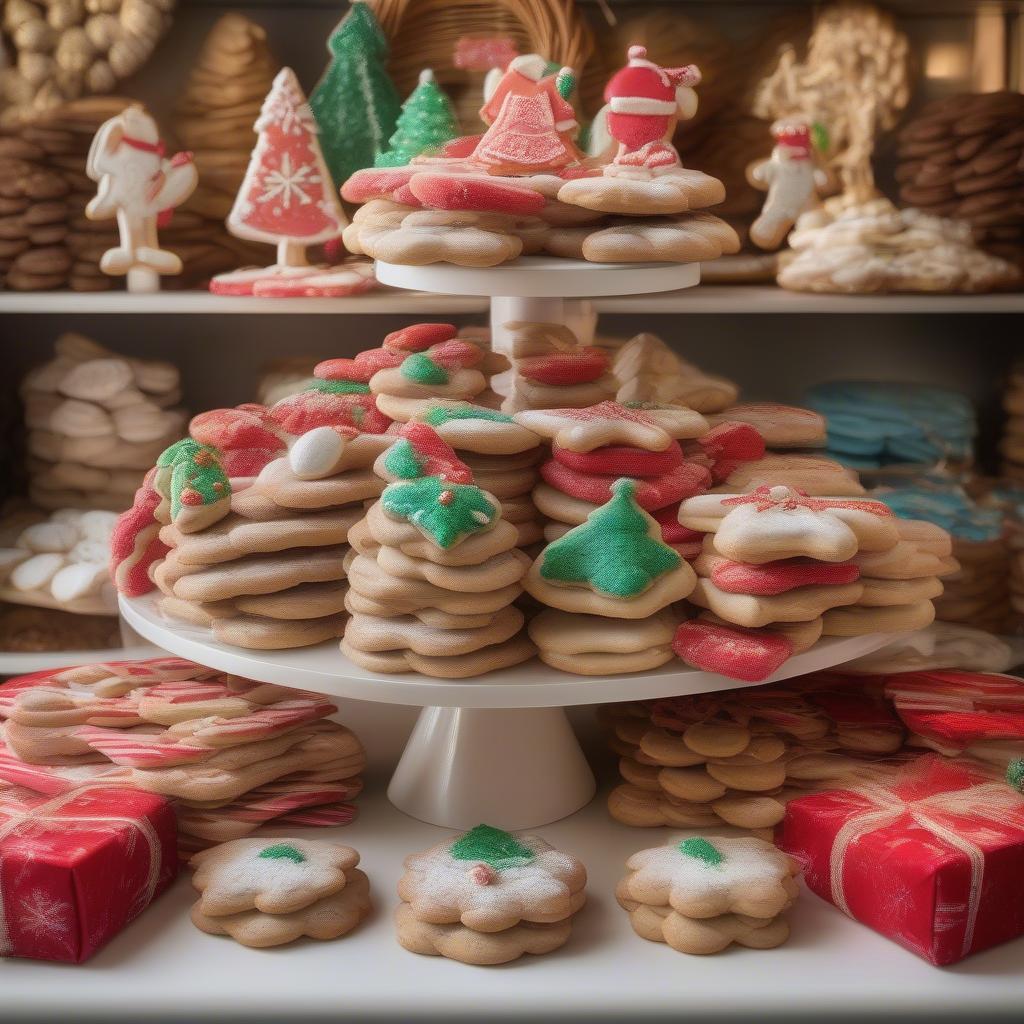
498, 748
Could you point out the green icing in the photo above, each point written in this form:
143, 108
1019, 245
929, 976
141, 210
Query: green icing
444, 511
338, 387
702, 850
1015, 774
196, 477
282, 851
402, 460
423, 370
820, 138
497, 849
612, 551
183, 449
438, 415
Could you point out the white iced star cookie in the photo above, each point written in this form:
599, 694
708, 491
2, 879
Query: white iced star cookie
707, 877
270, 875
489, 880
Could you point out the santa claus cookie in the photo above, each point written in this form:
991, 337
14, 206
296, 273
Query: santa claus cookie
488, 897
268, 892
701, 895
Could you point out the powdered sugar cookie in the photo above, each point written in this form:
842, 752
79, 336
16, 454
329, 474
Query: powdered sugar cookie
273, 876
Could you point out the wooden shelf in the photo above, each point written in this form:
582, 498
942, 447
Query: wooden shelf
705, 299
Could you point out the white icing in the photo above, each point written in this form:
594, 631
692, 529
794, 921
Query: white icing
36, 571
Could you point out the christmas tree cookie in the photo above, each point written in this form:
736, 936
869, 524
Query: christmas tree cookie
287, 199
489, 897
702, 894
616, 578
434, 570
427, 122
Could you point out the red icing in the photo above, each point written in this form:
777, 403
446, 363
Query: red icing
359, 369
730, 444
748, 654
309, 409
230, 429
683, 481
455, 354
564, 368
448, 192
779, 577
375, 183
621, 460
419, 337
460, 148
796, 498
404, 195
439, 458
672, 531
330, 282
130, 568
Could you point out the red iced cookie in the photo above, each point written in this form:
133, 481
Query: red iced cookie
309, 409
449, 192
135, 543
419, 337
748, 654
404, 195
672, 531
683, 481
359, 369
227, 429
621, 460
455, 354
375, 183
780, 577
730, 444
564, 369
438, 457
461, 147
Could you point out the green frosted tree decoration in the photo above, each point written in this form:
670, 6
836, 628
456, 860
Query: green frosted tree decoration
444, 511
492, 846
426, 123
355, 103
613, 551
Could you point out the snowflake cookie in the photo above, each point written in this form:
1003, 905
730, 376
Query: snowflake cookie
270, 875
488, 881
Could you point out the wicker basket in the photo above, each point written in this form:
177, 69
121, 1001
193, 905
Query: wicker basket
423, 33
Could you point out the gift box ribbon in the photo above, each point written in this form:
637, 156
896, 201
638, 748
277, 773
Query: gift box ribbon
48, 815
943, 815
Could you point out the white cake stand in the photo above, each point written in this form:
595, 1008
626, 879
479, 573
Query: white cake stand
500, 748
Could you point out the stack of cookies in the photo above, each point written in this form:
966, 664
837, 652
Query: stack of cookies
269, 892
551, 370
1012, 445
736, 758
33, 215
61, 562
489, 897
434, 570
701, 895
263, 567
777, 570
648, 370
608, 586
96, 422
594, 446
233, 754
961, 157
214, 119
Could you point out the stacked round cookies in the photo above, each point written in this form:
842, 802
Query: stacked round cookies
233, 754
736, 759
701, 895
489, 897
96, 421
961, 157
268, 892
434, 570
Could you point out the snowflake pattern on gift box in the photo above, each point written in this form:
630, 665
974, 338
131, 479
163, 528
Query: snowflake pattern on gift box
40, 917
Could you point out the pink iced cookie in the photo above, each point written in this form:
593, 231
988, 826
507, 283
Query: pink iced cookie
458, 192
771, 578
135, 543
432, 456
456, 354
563, 369
375, 183
748, 654
419, 337
321, 282
672, 532
242, 435
728, 445
299, 413
360, 368
621, 460
670, 488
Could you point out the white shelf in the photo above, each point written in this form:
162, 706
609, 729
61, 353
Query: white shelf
324, 669
163, 969
706, 298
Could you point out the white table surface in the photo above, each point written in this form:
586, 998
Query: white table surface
162, 969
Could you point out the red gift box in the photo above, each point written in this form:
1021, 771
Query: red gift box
76, 868
933, 859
